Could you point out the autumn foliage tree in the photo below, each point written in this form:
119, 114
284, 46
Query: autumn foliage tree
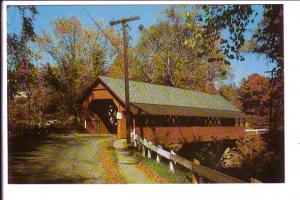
268, 40
230, 93
254, 95
78, 57
21, 72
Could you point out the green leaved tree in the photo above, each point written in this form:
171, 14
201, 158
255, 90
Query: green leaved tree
166, 54
229, 24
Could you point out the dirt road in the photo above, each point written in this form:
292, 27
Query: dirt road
74, 159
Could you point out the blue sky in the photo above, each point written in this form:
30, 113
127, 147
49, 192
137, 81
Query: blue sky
149, 14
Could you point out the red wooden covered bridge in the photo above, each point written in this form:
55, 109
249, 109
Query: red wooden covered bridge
159, 113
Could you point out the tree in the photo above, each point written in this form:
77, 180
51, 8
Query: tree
163, 56
21, 73
79, 56
254, 95
230, 93
209, 21
268, 40
233, 20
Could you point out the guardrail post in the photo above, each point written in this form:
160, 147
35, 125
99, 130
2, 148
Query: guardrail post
158, 157
140, 144
196, 178
131, 137
149, 153
172, 152
172, 164
143, 151
134, 142
149, 149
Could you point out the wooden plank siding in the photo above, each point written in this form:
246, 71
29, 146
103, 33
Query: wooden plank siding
180, 135
94, 124
101, 94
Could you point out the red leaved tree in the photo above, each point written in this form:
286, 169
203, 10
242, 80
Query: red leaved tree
254, 94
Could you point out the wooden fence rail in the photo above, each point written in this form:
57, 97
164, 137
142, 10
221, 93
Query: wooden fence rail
199, 171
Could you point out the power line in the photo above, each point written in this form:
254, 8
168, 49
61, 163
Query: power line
100, 28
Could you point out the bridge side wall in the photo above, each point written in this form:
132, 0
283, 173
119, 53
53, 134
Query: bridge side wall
181, 135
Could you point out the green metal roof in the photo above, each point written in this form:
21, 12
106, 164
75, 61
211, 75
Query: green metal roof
142, 94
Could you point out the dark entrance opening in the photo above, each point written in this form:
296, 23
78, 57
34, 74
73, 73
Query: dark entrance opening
107, 112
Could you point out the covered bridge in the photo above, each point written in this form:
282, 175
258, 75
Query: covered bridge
161, 114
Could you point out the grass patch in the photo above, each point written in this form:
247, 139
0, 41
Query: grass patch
162, 170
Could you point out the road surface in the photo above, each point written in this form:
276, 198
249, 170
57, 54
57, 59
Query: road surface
74, 159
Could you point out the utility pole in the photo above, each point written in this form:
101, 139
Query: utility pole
127, 102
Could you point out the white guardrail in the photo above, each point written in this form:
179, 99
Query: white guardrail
256, 131
198, 171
